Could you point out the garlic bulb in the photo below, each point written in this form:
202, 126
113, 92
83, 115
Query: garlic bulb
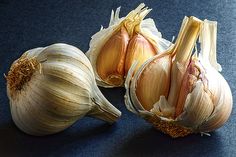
180, 92
113, 50
51, 88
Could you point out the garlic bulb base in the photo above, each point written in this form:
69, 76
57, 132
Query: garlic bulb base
20, 73
169, 127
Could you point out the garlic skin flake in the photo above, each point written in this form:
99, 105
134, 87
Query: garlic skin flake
51, 88
180, 92
113, 49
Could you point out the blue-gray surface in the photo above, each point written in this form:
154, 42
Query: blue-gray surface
28, 24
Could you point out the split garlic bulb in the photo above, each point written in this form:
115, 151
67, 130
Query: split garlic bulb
180, 92
51, 88
113, 50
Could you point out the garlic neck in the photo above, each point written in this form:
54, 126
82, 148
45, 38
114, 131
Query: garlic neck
186, 40
102, 108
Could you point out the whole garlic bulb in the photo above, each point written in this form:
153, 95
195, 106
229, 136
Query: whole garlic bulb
113, 50
51, 88
180, 92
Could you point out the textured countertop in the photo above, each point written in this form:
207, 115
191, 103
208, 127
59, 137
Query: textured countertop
28, 24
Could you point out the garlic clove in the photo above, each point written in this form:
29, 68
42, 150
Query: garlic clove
198, 107
113, 50
147, 90
190, 77
139, 49
51, 88
111, 59
222, 99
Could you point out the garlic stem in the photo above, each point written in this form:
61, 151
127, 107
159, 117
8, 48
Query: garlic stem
183, 50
